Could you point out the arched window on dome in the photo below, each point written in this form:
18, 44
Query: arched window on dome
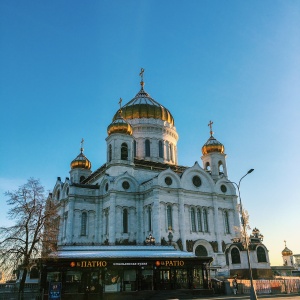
235, 256
207, 167
109, 152
201, 251
261, 254
134, 148
125, 221
221, 169
226, 222
171, 152
81, 178
160, 149
169, 217
124, 151
193, 220
147, 148
83, 223
168, 150
199, 219
205, 221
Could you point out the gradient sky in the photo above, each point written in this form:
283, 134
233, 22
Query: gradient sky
65, 64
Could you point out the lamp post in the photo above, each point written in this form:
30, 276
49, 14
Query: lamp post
150, 240
244, 226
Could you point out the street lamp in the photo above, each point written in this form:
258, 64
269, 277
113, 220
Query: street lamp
150, 240
244, 226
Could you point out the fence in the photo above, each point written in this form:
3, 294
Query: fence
272, 286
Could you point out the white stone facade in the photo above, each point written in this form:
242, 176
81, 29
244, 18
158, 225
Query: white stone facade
125, 200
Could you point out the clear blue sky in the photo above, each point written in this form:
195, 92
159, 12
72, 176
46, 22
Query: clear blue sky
65, 64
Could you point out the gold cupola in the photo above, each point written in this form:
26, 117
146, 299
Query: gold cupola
143, 106
286, 251
119, 125
81, 161
212, 145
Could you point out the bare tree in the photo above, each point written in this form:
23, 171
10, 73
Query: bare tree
34, 232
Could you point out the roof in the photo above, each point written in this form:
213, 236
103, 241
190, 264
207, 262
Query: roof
149, 252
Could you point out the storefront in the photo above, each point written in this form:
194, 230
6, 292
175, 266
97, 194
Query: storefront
123, 271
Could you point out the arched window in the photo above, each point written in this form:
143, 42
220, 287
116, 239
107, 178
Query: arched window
149, 219
169, 217
147, 148
57, 195
171, 152
235, 256
160, 149
221, 170
261, 254
205, 221
168, 150
134, 148
226, 222
83, 223
207, 166
65, 223
193, 219
124, 151
106, 221
199, 218
125, 221
81, 178
109, 152
201, 251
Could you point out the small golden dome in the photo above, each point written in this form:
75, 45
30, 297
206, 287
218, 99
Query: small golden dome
119, 125
212, 145
81, 160
143, 106
286, 251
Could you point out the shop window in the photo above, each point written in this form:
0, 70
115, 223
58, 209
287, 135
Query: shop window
124, 151
83, 223
147, 148
261, 254
34, 273
201, 251
235, 256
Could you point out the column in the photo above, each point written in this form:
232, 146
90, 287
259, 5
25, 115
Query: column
182, 218
112, 220
156, 217
70, 220
216, 223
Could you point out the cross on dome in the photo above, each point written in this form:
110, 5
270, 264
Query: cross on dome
82, 141
210, 126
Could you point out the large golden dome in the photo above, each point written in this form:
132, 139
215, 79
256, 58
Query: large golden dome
143, 106
81, 161
119, 125
212, 145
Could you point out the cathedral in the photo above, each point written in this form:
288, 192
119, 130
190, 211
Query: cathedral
140, 208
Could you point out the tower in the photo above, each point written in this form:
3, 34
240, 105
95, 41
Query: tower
214, 158
287, 256
80, 167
